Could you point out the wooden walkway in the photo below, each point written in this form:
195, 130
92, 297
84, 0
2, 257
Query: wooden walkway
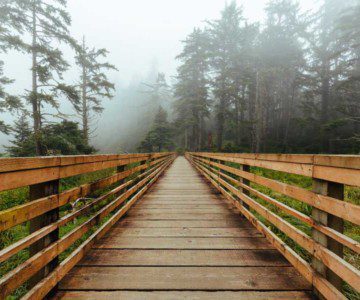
182, 241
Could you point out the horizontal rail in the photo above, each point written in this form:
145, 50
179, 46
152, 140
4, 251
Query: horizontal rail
131, 183
228, 174
19, 172
335, 168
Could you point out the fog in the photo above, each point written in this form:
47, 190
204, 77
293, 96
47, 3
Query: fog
143, 38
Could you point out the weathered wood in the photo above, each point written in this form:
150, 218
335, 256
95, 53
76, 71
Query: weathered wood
137, 223
43, 287
176, 257
330, 263
184, 232
68, 166
181, 216
335, 263
51, 216
323, 218
345, 210
36, 262
324, 287
186, 278
183, 243
180, 295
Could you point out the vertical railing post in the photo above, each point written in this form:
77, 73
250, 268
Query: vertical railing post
120, 169
245, 168
334, 190
39, 191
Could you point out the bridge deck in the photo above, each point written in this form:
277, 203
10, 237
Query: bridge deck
183, 241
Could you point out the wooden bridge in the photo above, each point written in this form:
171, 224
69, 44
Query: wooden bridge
158, 226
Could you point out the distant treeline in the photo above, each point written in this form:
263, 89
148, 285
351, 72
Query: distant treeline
288, 84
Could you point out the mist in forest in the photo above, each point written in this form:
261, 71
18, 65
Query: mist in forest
253, 76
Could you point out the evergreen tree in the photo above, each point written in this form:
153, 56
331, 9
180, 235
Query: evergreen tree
23, 143
11, 24
94, 86
159, 137
63, 138
192, 103
47, 24
225, 38
282, 61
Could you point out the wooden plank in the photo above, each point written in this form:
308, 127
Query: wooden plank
24, 163
183, 243
181, 210
119, 232
345, 210
182, 216
288, 167
184, 258
177, 192
133, 222
162, 205
188, 278
24, 177
179, 295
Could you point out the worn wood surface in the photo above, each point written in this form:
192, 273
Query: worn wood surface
181, 242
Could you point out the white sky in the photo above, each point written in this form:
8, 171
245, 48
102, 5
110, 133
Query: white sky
136, 32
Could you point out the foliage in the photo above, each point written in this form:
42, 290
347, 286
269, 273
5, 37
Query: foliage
289, 84
10, 25
94, 84
159, 138
63, 138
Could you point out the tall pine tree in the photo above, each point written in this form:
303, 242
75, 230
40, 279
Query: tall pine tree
94, 85
226, 35
47, 24
11, 25
192, 103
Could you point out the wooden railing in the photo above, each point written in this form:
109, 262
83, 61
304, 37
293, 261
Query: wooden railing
237, 177
48, 210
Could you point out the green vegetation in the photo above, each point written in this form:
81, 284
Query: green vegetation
159, 138
63, 138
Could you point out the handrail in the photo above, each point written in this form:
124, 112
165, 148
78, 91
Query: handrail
134, 175
232, 175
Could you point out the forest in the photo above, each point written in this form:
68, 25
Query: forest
290, 84
287, 84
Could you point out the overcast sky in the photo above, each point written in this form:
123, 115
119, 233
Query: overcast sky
137, 33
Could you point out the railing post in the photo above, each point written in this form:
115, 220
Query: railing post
120, 169
334, 190
245, 168
39, 191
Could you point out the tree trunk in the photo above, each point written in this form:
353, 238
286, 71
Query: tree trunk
186, 139
34, 93
199, 147
237, 121
85, 119
259, 116
252, 100
221, 120
325, 99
